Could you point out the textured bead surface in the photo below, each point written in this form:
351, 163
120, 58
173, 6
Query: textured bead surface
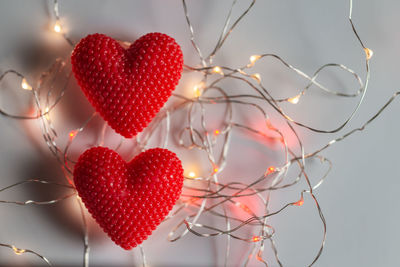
128, 87
128, 200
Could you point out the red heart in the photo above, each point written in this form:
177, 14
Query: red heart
128, 200
127, 87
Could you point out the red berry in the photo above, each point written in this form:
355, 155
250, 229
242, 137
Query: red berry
128, 200
128, 87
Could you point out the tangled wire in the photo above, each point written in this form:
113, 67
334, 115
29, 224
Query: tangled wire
208, 195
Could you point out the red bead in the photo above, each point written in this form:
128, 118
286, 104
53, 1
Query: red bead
127, 85
128, 200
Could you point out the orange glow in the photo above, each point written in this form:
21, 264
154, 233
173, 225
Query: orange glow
192, 174
18, 251
269, 137
198, 89
243, 207
32, 112
270, 170
254, 58
218, 70
57, 27
217, 132
256, 238
294, 100
215, 170
256, 77
299, 203
368, 53
25, 85
72, 134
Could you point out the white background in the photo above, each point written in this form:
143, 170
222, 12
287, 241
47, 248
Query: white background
359, 198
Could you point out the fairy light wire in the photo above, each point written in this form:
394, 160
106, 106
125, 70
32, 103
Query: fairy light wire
20, 251
206, 195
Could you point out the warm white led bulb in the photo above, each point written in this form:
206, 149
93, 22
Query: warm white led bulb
294, 100
218, 70
47, 114
198, 89
254, 58
257, 77
57, 27
25, 85
18, 251
368, 53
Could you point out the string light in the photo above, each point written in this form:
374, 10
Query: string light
300, 202
57, 27
256, 77
218, 70
72, 134
294, 100
243, 207
197, 89
18, 251
25, 85
368, 53
270, 170
46, 111
204, 188
253, 60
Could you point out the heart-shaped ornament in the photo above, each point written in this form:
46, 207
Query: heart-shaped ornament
128, 200
127, 87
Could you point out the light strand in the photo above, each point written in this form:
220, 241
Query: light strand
205, 196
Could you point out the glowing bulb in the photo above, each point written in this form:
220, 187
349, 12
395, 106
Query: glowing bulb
72, 134
46, 111
192, 174
18, 251
215, 170
270, 170
254, 58
257, 77
300, 202
294, 100
57, 27
256, 238
217, 132
25, 85
218, 70
243, 207
368, 53
197, 91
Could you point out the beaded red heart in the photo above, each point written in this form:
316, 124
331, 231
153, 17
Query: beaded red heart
127, 87
128, 200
